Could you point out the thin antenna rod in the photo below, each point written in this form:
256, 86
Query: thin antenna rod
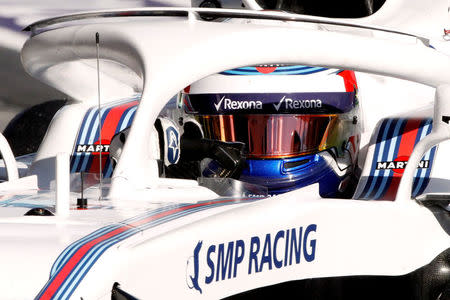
97, 41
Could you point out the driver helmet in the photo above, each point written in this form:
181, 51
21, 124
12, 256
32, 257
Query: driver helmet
300, 125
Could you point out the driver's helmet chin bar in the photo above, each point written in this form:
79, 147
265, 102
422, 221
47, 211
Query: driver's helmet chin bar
439, 133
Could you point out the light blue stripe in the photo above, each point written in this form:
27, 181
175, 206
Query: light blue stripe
85, 160
95, 127
72, 248
126, 120
109, 170
84, 157
379, 157
422, 174
63, 257
277, 68
392, 147
294, 67
76, 162
72, 281
86, 126
306, 71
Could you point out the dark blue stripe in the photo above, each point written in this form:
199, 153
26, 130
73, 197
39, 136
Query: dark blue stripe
106, 167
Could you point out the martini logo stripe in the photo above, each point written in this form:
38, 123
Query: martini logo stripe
395, 141
92, 246
82, 135
392, 150
379, 147
62, 259
404, 147
88, 262
110, 122
384, 154
113, 117
181, 214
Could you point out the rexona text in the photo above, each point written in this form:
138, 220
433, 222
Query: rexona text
298, 104
254, 255
229, 104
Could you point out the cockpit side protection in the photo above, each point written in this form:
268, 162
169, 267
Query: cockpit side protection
394, 142
114, 117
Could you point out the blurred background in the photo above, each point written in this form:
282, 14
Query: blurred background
18, 90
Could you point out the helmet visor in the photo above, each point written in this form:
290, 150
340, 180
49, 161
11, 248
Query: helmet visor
269, 136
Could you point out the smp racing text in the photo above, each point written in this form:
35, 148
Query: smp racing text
257, 254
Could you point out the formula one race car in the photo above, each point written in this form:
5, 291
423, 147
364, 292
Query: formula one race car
214, 153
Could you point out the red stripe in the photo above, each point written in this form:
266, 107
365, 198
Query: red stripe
113, 118
406, 147
349, 80
77, 256
108, 129
71, 264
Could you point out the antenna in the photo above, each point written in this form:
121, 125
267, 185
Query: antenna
97, 42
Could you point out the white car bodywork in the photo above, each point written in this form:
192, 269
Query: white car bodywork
171, 238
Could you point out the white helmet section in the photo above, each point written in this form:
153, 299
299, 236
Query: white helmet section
220, 83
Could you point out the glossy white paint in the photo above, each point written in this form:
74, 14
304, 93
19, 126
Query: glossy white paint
8, 158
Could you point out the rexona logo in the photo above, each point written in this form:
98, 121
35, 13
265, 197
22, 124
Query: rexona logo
398, 165
225, 261
229, 104
297, 104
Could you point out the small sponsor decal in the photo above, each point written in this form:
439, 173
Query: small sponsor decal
261, 253
398, 165
92, 148
173, 147
289, 103
446, 35
229, 104
192, 274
